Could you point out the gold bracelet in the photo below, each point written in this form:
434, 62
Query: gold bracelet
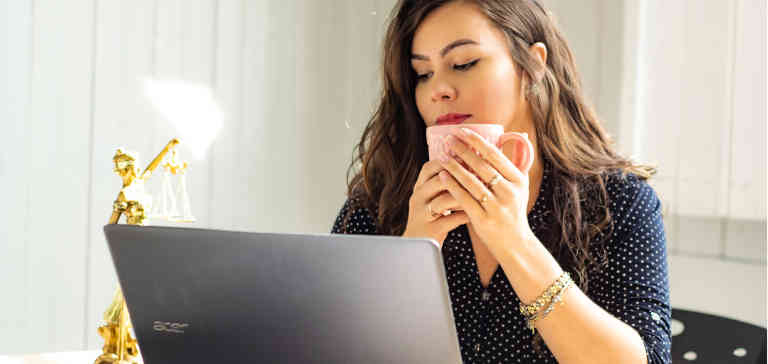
545, 299
557, 299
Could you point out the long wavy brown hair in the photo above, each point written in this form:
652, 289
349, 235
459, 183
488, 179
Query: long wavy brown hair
570, 137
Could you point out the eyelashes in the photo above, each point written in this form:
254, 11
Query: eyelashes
465, 66
459, 67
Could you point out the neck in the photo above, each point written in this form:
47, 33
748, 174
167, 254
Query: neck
535, 175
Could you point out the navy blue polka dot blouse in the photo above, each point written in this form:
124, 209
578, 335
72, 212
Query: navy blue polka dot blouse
633, 286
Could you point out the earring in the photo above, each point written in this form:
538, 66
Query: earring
533, 90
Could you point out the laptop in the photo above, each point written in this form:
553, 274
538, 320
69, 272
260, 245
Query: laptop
213, 296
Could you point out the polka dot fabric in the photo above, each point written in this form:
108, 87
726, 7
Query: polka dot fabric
633, 287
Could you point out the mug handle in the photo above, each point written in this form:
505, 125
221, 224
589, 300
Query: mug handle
522, 157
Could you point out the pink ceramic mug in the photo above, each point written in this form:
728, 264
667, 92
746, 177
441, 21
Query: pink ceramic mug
494, 133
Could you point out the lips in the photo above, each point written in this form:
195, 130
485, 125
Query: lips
450, 119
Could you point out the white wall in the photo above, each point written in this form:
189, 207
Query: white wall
702, 79
296, 81
700, 112
681, 84
45, 181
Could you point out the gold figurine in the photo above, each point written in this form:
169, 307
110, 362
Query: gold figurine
120, 346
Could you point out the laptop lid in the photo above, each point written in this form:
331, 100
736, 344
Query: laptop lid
200, 295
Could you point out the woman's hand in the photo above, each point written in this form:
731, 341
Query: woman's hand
494, 194
428, 206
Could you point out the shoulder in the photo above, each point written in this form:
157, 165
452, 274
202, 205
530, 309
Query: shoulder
628, 188
631, 198
355, 218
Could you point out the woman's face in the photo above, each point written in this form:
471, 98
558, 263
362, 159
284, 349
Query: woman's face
463, 65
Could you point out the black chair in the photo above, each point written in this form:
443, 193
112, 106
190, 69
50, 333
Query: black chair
715, 339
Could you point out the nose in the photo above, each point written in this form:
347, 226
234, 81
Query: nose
443, 92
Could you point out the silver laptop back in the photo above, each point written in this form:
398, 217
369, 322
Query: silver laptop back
198, 295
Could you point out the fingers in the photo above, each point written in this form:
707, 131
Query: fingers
432, 195
430, 189
447, 223
470, 160
428, 202
442, 205
470, 203
485, 157
428, 170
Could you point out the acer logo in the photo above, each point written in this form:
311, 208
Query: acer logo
174, 327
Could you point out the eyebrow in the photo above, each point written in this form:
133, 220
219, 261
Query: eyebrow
448, 48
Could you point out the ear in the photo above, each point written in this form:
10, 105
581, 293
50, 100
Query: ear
539, 51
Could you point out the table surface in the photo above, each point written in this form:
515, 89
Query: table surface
68, 357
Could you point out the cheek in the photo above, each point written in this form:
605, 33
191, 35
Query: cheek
499, 96
419, 97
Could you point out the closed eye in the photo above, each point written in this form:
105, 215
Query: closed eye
465, 66
458, 67
423, 77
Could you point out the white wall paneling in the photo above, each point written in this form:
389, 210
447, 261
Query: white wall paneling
581, 24
122, 117
344, 39
745, 232
15, 45
747, 181
48, 68
184, 51
695, 106
57, 152
224, 169
699, 75
295, 82
270, 117
689, 97
704, 107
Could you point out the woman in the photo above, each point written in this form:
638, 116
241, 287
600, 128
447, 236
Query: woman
572, 247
